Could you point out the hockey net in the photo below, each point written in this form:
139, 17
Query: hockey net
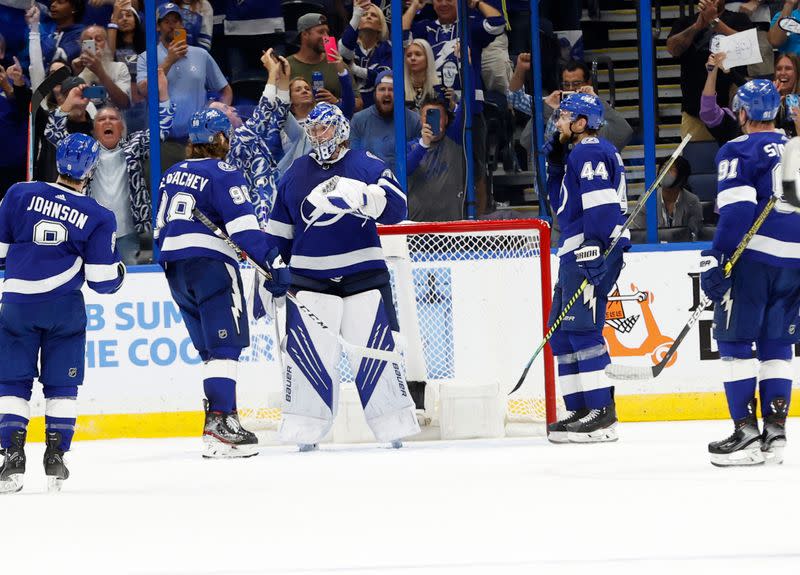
472, 300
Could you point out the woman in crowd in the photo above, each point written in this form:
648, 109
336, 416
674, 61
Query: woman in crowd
722, 123
365, 44
293, 138
421, 81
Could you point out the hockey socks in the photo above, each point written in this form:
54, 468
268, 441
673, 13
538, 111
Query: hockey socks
219, 384
569, 381
60, 416
14, 416
774, 382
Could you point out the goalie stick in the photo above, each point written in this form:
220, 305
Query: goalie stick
356, 350
632, 372
42, 91
791, 172
577, 294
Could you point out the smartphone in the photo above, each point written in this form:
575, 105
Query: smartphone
792, 101
433, 117
331, 47
179, 35
95, 92
88, 46
564, 94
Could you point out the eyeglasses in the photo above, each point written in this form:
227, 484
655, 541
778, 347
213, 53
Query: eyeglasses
572, 85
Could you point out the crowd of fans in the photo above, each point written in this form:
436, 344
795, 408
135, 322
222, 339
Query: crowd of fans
212, 53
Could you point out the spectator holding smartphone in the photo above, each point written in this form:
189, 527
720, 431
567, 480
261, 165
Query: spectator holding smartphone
118, 181
372, 129
436, 166
575, 77
96, 65
191, 72
312, 57
365, 43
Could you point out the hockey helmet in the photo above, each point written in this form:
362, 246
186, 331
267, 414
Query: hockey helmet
77, 155
206, 124
587, 105
325, 142
759, 99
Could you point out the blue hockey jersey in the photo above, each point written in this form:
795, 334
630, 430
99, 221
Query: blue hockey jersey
220, 192
749, 172
52, 239
592, 200
332, 245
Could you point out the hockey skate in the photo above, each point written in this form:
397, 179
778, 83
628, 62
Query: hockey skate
12, 472
54, 466
557, 432
773, 437
742, 447
224, 436
397, 444
306, 447
597, 426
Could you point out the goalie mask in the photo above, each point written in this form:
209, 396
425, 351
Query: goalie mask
326, 130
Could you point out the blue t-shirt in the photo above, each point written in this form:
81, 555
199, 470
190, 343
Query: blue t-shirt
190, 79
792, 44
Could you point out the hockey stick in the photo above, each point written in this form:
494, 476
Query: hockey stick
577, 294
631, 372
356, 350
42, 91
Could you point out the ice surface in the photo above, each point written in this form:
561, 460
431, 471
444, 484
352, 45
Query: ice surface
650, 503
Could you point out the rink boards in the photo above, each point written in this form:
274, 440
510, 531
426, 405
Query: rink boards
143, 376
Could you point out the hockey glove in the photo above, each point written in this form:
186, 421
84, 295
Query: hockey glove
281, 280
712, 275
351, 195
555, 151
591, 261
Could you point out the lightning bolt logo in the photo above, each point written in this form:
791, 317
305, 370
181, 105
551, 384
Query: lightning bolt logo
236, 298
727, 307
590, 301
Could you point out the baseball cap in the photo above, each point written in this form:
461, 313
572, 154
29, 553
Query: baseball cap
165, 9
307, 21
70, 83
385, 76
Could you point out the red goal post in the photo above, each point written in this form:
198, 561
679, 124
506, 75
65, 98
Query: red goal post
444, 275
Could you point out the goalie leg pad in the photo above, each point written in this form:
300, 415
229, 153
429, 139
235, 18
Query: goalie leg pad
311, 377
388, 406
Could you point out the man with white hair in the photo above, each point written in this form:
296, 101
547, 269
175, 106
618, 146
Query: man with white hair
118, 181
97, 67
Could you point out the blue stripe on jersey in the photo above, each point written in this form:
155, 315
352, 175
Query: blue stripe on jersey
52, 239
749, 174
592, 199
324, 245
218, 190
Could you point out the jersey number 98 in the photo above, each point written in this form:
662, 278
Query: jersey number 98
180, 207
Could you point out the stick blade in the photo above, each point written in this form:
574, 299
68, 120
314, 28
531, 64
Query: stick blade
629, 372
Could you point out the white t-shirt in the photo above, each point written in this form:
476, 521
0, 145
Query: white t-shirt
109, 187
117, 71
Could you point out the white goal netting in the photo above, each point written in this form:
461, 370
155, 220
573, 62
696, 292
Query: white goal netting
471, 300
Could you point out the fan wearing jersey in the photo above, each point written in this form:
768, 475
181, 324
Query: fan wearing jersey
586, 183
759, 302
203, 271
324, 224
53, 238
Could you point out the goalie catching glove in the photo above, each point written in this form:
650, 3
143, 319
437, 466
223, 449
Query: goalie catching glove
350, 196
591, 261
712, 275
